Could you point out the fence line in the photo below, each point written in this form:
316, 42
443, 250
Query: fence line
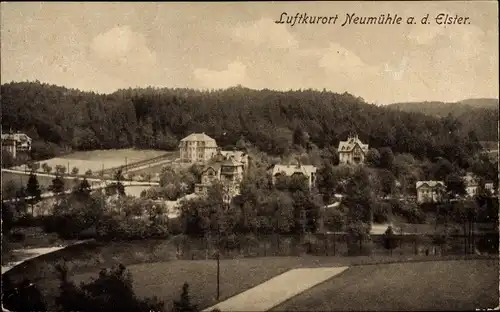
333, 245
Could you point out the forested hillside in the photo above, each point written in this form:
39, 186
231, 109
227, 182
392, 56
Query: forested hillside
61, 119
480, 115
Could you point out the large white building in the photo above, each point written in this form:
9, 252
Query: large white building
197, 148
352, 151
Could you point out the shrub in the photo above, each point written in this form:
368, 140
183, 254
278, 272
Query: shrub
111, 291
184, 303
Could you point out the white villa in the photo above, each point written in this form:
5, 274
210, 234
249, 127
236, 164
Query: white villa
352, 151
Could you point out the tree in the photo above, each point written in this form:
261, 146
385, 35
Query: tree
455, 185
75, 171
334, 219
386, 158
373, 158
390, 241
46, 168
60, 169
387, 182
442, 168
9, 189
7, 218
111, 291
7, 159
24, 296
33, 191
58, 185
357, 232
84, 188
300, 137
184, 303
327, 182
88, 173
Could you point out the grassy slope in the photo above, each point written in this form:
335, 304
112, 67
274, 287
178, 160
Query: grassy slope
429, 286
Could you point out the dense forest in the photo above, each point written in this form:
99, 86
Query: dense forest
480, 115
61, 119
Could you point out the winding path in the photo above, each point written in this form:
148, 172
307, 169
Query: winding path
271, 293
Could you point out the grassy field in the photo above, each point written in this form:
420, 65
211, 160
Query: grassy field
157, 272
425, 286
102, 159
132, 155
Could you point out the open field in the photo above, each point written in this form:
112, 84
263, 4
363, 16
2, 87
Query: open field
102, 159
425, 286
132, 155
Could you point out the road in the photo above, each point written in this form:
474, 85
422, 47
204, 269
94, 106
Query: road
102, 184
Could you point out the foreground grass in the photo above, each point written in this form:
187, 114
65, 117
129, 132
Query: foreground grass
237, 275
425, 286
156, 271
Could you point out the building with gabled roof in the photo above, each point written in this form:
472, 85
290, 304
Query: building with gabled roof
430, 191
15, 142
225, 170
352, 151
308, 171
197, 148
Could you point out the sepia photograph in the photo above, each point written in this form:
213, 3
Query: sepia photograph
249, 156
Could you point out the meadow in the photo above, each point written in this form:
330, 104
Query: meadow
424, 286
157, 272
102, 159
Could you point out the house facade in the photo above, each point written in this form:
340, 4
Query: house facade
239, 156
352, 151
430, 191
471, 185
16, 142
289, 170
225, 170
197, 148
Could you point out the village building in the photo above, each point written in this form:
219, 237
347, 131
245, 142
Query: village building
489, 186
226, 170
240, 156
430, 191
197, 148
307, 171
352, 151
14, 143
471, 184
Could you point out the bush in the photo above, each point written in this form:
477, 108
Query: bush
111, 291
21, 297
184, 303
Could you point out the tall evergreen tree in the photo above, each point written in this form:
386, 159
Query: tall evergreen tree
33, 191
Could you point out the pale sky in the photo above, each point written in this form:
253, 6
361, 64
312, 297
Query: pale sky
106, 46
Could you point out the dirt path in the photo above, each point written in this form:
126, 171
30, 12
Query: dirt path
269, 294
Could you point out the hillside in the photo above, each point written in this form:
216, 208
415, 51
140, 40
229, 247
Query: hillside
442, 109
478, 115
61, 119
